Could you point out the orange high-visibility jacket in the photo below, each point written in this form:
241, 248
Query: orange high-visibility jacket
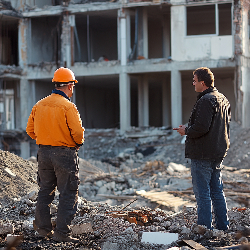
55, 121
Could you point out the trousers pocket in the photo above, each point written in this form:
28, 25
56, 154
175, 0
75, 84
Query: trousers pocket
74, 181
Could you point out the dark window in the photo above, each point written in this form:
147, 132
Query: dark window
225, 24
201, 20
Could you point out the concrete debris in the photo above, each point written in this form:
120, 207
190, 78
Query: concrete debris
10, 69
159, 237
6, 228
100, 226
82, 229
9, 172
127, 196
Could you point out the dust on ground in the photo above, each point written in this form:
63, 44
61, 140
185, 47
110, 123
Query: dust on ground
105, 150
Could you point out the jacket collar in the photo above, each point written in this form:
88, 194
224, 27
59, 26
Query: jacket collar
209, 90
59, 92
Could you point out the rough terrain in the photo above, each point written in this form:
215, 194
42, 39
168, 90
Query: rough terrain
115, 173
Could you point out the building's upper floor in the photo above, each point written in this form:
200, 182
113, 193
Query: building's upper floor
41, 34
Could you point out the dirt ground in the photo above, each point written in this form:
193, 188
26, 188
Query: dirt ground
18, 178
105, 147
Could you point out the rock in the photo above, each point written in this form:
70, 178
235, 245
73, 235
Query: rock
199, 229
110, 246
6, 228
32, 159
177, 167
82, 228
9, 172
33, 195
53, 209
107, 188
243, 240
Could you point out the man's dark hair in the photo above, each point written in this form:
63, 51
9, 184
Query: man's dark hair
206, 75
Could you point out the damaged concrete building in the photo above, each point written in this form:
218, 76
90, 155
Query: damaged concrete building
133, 60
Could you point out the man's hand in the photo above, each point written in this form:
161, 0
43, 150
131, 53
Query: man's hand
181, 129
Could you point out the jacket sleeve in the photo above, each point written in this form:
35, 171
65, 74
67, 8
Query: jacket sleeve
74, 123
202, 120
30, 124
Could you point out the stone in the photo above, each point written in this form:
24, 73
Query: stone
32, 195
82, 228
6, 228
159, 237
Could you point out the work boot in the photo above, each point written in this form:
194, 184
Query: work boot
42, 232
63, 238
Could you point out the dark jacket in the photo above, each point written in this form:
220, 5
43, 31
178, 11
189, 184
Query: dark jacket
208, 128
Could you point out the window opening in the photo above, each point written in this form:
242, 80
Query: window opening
201, 20
225, 24
7, 117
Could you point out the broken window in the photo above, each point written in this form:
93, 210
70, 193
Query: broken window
201, 20
45, 40
8, 42
225, 23
96, 37
7, 115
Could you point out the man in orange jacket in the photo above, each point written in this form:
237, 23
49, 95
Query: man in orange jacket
56, 126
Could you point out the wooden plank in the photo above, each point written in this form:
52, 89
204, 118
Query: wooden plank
194, 244
164, 198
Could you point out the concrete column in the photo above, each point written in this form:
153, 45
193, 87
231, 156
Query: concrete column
25, 109
166, 37
124, 79
166, 110
124, 33
67, 41
176, 98
143, 102
143, 33
24, 103
25, 149
246, 98
125, 106
23, 30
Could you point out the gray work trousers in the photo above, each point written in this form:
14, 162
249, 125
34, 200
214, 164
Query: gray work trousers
57, 167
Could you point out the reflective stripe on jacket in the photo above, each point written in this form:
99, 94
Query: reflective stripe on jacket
55, 121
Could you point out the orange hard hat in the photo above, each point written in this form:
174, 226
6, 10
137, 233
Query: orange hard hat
64, 75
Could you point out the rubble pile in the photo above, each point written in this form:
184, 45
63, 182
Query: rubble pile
18, 177
135, 193
101, 226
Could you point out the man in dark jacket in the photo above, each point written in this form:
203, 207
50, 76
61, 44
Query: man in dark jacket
207, 143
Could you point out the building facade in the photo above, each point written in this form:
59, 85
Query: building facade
133, 60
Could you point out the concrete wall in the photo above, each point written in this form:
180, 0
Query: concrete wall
188, 48
44, 38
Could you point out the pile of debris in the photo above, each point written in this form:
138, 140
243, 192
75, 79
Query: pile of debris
101, 226
135, 193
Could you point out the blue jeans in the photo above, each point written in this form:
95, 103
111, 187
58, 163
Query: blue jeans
208, 190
